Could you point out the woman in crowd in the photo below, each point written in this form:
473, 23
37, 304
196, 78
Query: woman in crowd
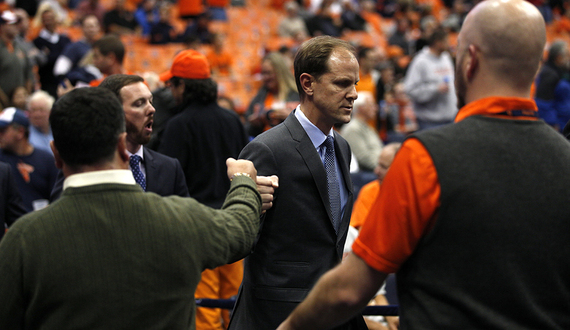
276, 98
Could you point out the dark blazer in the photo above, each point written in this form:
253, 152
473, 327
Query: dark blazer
11, 206
297, 242
164, 176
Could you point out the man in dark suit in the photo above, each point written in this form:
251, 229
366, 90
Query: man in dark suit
11, 206
303, 235
161, 174
475, 241
164, 174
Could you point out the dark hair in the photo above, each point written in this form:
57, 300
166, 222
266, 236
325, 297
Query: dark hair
313, 55
116, 82
439, 34
111, 44
86, 124
203, 91
363, 52
84, 18
556, 49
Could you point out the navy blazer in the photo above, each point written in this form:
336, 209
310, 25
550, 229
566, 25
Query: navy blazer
11, 205
164, 176
297, 242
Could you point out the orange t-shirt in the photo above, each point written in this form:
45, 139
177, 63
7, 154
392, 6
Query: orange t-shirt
366, 198
409, 200
366, 84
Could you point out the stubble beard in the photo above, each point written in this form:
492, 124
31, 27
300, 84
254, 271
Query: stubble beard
137, 135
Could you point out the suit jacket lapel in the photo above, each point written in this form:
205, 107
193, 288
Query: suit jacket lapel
343, 159
311, 158
151, 173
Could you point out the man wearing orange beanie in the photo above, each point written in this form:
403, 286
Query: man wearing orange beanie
201, 137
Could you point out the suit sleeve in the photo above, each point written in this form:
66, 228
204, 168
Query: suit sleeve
262, 157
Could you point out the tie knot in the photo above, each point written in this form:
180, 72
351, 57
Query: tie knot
329, 143
135, 160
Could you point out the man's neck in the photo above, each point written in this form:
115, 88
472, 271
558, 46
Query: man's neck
436, 52
116, 69
43, 129
313, 115
24, 148
133, 147
68, 171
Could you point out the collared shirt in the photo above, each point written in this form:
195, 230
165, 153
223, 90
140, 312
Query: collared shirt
409, 200
39, 139
141, 164
99, 177
318, 137
51, 37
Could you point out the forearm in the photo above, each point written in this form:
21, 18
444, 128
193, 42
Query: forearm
243, 203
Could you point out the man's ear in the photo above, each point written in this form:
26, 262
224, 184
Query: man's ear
306, 81
21, 131
58, 160
112, 56
180, 88
122, 147
472, 61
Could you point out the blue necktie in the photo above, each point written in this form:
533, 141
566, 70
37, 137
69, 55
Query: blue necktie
332, 182
137, 173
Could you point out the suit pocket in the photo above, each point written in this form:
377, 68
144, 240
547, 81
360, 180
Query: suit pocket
281, 294
285, 281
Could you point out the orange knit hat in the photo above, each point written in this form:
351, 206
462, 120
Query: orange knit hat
188, 64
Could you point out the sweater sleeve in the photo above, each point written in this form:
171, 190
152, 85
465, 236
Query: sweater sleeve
11, 295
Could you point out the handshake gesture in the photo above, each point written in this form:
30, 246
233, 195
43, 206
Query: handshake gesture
265, 184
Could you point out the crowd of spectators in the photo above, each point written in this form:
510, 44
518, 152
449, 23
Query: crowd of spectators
406, 77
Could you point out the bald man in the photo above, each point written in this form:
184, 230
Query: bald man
473, 217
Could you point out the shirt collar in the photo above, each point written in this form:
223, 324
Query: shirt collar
51, 37
493, 105
139, 152
314, 133
99, 177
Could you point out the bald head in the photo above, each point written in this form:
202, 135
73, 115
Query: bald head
386, 158
510, 35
